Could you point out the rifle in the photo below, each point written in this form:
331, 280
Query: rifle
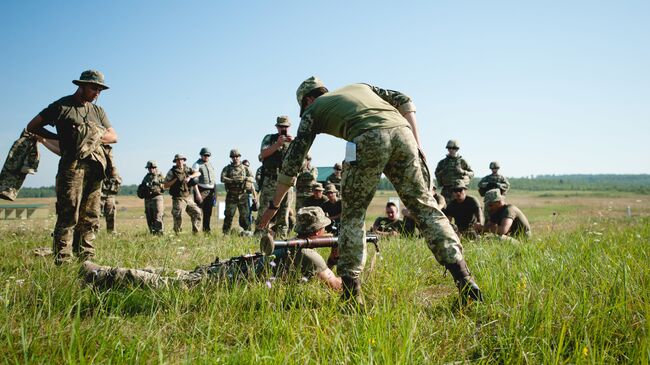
268, 245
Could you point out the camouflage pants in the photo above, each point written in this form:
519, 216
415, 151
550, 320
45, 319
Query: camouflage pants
111, 277
153, 210
78, 190
394, 152
107, 209
187, 204
234, 202
281, 219
208, 196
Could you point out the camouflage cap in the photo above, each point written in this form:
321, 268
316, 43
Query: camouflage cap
205, 151
338, 166
494, 165
91, 77
492, 196
317, 186
282, 121
306, 86
179, 156
452, 143
310, 220
308, 157
234, 153
330, 188
459, 184
151, 163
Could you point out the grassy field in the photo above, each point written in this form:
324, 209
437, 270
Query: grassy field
578, 292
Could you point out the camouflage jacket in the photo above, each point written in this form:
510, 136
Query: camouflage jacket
237, 179
493, 182
180, 188
151, 186
305, 179
111, 186
451, 169
22, 159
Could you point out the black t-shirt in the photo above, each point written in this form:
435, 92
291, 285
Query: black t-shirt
465, 214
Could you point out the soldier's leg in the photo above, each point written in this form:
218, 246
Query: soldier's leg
88, 223
178, 205
281, 218
110, 213
206, 208
195, 214
69, 185
266, 193
102, 206
244, 211
148, 212
109, 277
158, 210
229, 212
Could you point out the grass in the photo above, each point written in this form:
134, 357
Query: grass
577, 294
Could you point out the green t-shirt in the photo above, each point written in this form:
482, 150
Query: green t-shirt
307, 261
520, 225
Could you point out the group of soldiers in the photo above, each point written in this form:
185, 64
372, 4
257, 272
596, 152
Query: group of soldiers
469, 217
379, 125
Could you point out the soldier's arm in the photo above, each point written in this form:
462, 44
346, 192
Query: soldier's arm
110, 136
224, 176
170, 180
268, 149
468, 169
37, 126
504, 226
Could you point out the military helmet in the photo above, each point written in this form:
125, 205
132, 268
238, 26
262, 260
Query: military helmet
151, 163
91, 77
317, 186
307, 86
452, 143
310, 220
494, 165
491, 196
282, 121
234, 153
205, 151
338, 166
179, 156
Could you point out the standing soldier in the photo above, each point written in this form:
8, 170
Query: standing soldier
207, 186
304, 182
238, 182
178, 182
82, 128
335, 176
452, 168
273, 148
381, 129
110, 188
494, 181
151, 190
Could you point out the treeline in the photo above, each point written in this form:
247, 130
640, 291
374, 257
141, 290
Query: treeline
605, 182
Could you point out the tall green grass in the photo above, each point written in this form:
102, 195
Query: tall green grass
569, 297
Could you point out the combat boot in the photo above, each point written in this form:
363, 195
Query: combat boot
351, 295
464, 282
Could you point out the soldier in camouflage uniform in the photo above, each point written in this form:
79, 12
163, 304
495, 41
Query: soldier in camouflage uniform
307, 262
452, 168
82, 129
207, 186
381, 130
177, 181
272, 151
494, 181
110, 188
335, 177
151, 190
238, 182
306, 178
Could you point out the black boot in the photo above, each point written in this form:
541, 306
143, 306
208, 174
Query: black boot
352, 292
466, 286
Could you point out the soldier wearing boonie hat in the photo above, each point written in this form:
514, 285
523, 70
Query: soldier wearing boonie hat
82, 133
379, 125
452, 168
494, 180
238, 181
272, 150
207, 185
316, 199
151, 189
505, 220
178, 180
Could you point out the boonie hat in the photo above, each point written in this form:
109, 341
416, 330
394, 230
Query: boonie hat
282, 121
151, 163
306, 86
330, 188
91, 77
459, 184
178, 156
317, 186
492, 196
235, 153
310, 220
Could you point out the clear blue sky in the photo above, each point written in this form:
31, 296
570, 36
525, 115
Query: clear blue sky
548, 87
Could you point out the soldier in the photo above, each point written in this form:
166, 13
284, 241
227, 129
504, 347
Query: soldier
494, 181
390, 225
306, 178
207, 186
506, 220
465, 210
453, 167
381, 129
273, 149
178, 182
333, 208
110, 188
238, 182
151, 190
307, 262
335, 176
82, 128
316, 199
